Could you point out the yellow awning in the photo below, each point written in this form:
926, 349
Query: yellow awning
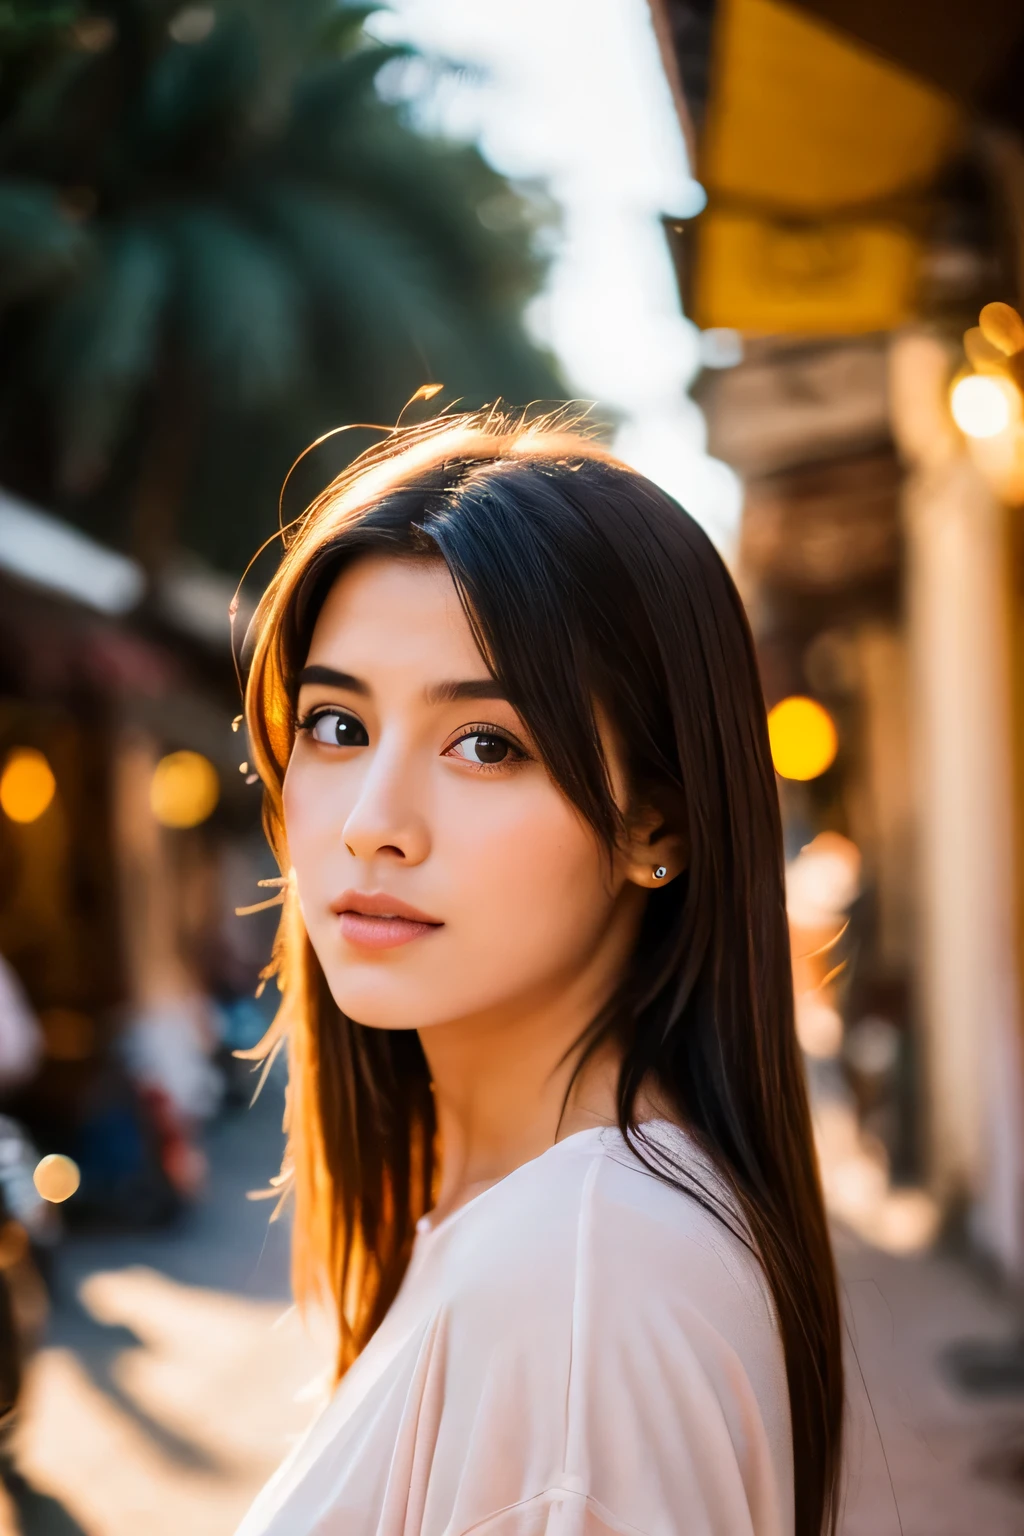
817, 156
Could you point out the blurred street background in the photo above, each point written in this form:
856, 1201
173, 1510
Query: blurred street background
778, 250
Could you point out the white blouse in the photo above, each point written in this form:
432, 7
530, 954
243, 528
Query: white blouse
579, 1350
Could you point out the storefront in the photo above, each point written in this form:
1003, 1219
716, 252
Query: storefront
846, 252
127, 838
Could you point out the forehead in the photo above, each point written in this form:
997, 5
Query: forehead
388, 613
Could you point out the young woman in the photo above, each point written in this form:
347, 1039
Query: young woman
548, 1134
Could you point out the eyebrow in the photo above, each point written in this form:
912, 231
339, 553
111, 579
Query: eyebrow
472, 688
330, 678
436, 693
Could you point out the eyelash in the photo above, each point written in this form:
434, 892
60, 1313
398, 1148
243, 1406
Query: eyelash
481, 728
309, 721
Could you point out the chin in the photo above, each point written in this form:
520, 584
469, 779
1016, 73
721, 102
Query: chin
374, 1005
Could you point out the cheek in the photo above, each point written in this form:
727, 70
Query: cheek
520, 881
529, 885
296, 806
531, 859
313, 818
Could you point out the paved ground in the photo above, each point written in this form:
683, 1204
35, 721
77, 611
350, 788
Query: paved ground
924, 1458
167, 1393
168, 1390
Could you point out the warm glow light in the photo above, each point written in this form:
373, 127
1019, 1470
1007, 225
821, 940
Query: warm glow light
184, 790
803, 738
981, 405
819, 1027
13, 1244
27, 785
56, 1178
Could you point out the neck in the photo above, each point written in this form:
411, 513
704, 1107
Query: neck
501, 1079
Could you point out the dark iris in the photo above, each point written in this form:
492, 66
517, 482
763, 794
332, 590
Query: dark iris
491, 749
337, 730
349, 732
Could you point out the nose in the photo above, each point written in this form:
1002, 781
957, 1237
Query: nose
387, 820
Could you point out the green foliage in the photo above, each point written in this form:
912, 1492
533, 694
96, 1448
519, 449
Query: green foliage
216, 243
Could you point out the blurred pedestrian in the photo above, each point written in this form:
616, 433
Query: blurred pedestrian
21, 1038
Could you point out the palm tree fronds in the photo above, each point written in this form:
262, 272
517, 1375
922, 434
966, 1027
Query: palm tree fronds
41, 247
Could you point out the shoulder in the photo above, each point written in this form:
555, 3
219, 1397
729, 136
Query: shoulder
668, 1269
664, 1254
625, 1318
593, 1215
663, 1222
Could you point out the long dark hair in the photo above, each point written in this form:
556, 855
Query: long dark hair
585, 585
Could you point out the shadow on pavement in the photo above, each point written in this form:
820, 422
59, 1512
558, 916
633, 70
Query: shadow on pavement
224, 1243
38, 1513
97, 1346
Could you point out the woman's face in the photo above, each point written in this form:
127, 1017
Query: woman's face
441, 873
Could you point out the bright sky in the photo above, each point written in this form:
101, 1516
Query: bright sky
572, 92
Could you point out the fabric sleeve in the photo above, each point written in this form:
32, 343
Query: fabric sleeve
674, 1418
678, 1420
665, 1438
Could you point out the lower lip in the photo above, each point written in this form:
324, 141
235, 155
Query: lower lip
382, 932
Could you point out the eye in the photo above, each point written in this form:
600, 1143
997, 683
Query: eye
485, 748
335, 728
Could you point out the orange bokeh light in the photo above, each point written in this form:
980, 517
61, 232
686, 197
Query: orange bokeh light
803, 738
27, 785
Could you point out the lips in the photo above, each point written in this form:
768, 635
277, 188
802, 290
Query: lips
376, 920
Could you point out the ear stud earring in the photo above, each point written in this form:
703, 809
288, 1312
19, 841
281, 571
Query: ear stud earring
660, 872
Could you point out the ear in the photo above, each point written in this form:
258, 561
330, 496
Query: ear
654, 853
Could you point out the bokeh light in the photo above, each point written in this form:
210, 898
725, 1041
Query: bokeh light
184, 790
803, 738
56, 1178
819, 1027
981, 405
14, 1244
27, 785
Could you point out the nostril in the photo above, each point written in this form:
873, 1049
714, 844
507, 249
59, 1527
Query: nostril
384, 848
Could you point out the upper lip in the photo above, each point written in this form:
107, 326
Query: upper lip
380, 904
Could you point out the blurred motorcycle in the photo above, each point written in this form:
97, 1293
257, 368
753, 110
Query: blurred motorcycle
29, 1231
